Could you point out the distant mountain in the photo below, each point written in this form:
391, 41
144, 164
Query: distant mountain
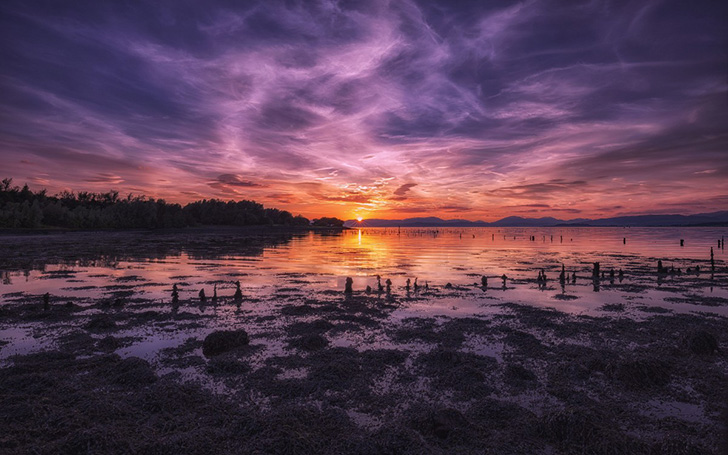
701, 219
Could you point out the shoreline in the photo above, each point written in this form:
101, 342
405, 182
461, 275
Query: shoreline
252, 229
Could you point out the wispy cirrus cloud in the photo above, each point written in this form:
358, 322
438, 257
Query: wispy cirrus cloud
372, 108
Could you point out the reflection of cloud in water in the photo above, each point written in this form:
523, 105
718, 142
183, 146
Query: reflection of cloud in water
98, 265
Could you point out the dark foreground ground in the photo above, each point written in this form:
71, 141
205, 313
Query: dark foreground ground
559, 383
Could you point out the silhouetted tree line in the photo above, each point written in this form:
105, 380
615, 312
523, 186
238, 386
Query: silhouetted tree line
328, 222
23, 208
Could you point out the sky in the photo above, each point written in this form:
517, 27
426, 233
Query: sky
373, 109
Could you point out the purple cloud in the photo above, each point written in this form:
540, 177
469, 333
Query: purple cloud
338, 108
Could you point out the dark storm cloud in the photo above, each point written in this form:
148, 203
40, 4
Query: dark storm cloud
523, 100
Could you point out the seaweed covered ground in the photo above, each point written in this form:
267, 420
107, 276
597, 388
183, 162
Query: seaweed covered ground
298, 367
346, 375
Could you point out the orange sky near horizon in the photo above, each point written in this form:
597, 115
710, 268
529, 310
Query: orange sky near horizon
387, 198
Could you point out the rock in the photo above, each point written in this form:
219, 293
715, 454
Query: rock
224, 341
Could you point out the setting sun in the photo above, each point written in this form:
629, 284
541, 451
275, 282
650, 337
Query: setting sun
359, 219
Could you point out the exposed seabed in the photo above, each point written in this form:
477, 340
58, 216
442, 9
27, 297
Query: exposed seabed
530, 367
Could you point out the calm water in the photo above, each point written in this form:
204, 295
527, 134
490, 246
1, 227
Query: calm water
140, 268
314, 263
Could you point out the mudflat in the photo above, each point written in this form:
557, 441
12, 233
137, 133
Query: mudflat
440, 364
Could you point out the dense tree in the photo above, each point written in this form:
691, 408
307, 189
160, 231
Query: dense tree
328, 222
23, 208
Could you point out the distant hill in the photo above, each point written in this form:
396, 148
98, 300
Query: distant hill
702, 219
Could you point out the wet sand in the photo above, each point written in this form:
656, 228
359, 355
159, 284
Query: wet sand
638, 367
